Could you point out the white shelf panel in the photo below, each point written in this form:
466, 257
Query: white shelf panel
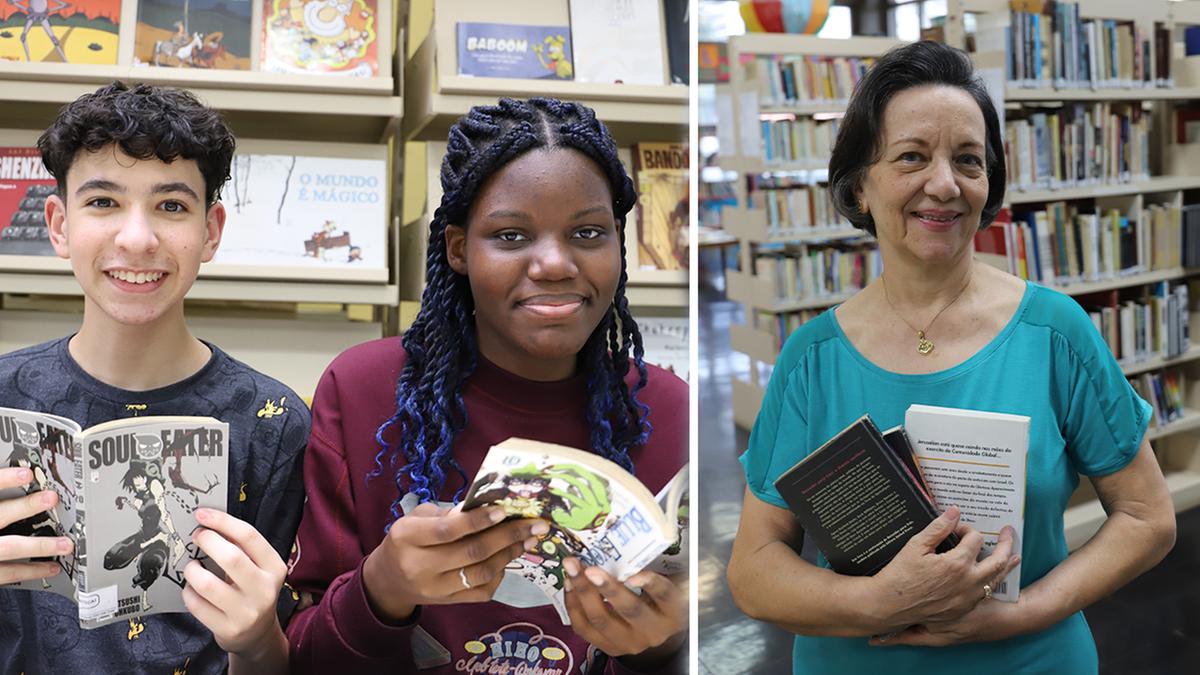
747, 399
1085, 287
1154, 184
757, 344
786, 43
317, 111
1021, 94
1187, 422
30, 283
1138, 367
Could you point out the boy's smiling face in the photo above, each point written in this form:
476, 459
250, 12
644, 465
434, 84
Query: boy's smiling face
135, 231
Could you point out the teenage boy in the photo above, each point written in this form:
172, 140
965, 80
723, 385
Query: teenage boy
139, 172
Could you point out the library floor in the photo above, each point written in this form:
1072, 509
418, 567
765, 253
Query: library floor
1151, 626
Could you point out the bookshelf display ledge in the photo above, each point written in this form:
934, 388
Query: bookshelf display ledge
632, 112
1137, 367
1188, 421
1022, 95
657, 288
1153, 184
1085, 287
748, 290
747, 399
257, 105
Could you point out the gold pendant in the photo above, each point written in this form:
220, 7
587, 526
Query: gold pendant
924, 347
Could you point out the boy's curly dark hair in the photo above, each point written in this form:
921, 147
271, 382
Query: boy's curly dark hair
441, 344
144, 121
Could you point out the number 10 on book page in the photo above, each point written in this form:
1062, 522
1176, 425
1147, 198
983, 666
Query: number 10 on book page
976, 460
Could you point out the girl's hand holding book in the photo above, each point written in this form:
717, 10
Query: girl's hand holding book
437, 556
921, 586
622, 622
21, 548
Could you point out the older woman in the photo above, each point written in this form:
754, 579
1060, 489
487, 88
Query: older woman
919, 164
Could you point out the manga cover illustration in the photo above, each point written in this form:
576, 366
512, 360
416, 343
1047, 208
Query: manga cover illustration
194, 34
154, 478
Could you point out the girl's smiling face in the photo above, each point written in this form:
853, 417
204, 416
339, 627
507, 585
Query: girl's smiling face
542, 254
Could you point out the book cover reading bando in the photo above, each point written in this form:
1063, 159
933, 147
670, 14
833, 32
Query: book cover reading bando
660, 175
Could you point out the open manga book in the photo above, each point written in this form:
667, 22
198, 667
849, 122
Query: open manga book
597, 512
128, 491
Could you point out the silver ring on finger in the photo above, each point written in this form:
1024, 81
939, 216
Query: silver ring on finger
987, 591
462, 574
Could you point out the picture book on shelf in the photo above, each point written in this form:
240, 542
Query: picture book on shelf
128, 492
515, 50
660, 175
194, 34
321, 38
288, 211
597, 512
61, 31
24, 185
976, 460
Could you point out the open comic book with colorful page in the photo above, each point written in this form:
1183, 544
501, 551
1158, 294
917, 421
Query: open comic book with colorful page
597, 512
128, 492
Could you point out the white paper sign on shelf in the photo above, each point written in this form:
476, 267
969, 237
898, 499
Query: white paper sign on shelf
667, 343
618, 41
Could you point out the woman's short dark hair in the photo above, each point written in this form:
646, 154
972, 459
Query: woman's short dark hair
145, 121
860, 135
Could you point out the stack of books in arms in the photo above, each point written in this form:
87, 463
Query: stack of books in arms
864, 493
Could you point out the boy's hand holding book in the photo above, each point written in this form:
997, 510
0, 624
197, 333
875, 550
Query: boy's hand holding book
240, 609
23, 548
437, 556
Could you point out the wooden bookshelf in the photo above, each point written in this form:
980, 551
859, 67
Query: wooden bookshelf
436, 95
1152, 184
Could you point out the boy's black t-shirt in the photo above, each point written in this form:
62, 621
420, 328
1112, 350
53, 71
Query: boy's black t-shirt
268, 427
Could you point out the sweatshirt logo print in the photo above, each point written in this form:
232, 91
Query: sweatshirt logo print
516, 648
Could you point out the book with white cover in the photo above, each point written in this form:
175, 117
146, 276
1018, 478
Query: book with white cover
618, 41
976, 460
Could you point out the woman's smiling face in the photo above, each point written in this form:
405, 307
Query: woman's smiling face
542, 254
927, 190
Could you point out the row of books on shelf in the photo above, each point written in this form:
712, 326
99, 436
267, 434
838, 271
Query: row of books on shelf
1058, 47
1152, 323
794, 209
1078, 145
336, 38
1063, 244
804, 80
1165, 391
800, 139
802, 271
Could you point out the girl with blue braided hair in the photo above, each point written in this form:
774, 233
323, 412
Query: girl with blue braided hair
524, 330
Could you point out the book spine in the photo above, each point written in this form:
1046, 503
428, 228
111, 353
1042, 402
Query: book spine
80, 530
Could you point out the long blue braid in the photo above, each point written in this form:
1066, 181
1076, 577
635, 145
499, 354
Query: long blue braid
441, 345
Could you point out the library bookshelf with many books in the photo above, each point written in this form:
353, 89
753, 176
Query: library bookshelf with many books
1103, 202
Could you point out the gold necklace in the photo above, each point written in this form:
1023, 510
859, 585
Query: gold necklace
924, 345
